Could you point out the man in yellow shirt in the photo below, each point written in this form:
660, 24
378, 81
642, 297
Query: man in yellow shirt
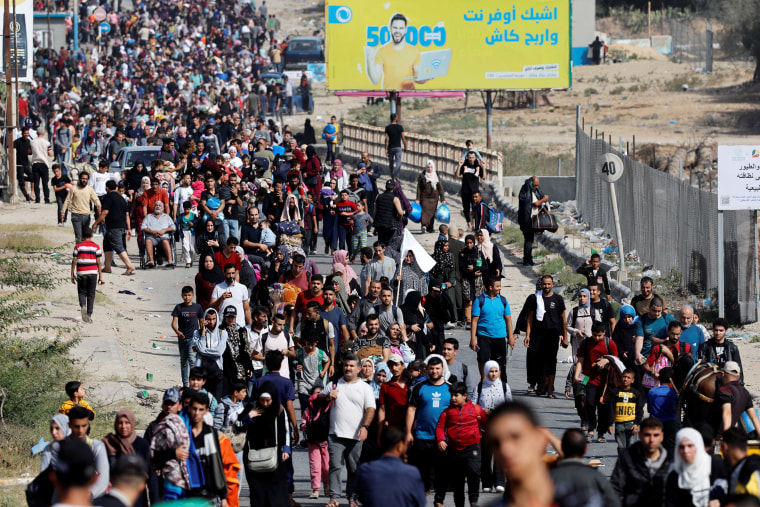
79, 199
395, 60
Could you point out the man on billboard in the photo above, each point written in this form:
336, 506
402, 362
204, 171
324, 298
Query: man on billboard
394, 61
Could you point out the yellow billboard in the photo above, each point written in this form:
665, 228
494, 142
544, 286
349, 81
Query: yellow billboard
447, 45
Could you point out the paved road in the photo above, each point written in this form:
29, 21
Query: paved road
165, 286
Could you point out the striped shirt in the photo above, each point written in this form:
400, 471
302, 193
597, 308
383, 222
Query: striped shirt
87, 254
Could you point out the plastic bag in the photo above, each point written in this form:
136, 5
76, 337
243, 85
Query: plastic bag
416, 214
443, 214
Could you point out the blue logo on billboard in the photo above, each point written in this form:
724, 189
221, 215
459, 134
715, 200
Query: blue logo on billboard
339, 14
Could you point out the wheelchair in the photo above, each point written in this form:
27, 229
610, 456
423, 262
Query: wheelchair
159, 256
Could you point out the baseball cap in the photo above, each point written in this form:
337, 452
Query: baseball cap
74, 462
230, 310
172, 395
395, 358
732, 368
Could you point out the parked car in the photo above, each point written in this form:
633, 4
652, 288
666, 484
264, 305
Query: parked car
278, 78
128, 155
304, 50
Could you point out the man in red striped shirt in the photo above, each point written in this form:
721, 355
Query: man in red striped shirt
86, 272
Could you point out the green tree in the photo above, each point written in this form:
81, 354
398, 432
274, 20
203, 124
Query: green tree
741, 32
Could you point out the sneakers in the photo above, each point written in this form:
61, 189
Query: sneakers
499, 489
460, 323
449, 325
83, 311
424, 229
486, 490
468, 326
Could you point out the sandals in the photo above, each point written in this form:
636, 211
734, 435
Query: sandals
601, 440
150, 265
314, 495
128, 272
551, 396
333, 503
590, 437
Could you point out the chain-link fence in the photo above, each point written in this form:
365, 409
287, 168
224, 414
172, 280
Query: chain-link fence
672, 225
691, 45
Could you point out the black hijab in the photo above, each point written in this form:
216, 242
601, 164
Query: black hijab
410, 307
213, 275
261, 430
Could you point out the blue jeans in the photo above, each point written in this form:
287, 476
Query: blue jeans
394, 161
233, 229
186, 358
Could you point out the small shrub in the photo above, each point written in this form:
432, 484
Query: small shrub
617, 91
591, 91
676, 84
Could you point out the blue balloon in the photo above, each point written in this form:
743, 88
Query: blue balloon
416, 214
443, 214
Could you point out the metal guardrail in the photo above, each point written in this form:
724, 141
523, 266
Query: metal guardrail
358, 137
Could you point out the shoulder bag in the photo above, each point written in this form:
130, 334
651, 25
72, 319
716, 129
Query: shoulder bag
544, 220
264, 460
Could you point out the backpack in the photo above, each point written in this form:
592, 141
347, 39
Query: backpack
264, 337
39, 492
482, 300
495, 225
318, 425
503, 384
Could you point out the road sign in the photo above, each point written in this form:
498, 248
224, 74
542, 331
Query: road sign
609, 167
99, 14
104, 28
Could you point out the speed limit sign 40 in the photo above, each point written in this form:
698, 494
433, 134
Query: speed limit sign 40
609, 167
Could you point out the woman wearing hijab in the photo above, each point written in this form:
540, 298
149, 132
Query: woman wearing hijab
420, 330
312, 171
446, 271
59, 429
237, 356
309, 137
471, 269
624, 337
340, 265
491, 254
209, 274
266, 428
338, 175
341, 295
210, 344
279, 264
693, 480
367, 370
429, 192
124, 440
135, 176
491, 392
411, 277
208, 241
327, 199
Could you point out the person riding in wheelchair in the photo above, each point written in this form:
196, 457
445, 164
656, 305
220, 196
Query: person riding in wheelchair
158, 229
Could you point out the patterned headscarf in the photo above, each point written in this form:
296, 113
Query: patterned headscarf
443, 260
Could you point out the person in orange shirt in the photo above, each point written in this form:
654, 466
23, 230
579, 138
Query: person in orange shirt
396, 60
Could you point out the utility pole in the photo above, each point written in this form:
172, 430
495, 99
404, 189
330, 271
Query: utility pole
10, 106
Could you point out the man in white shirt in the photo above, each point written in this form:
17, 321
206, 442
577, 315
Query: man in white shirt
276, 339
42, 154
232, 293
352, 412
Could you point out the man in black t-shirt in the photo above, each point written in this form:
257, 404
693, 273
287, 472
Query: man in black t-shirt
546, 327
115, 214
185, 322
23, 146
394, 137
59, 183
601, 309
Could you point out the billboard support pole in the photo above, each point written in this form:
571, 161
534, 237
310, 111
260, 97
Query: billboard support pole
392, 100
398, 106
489, 118
721, 271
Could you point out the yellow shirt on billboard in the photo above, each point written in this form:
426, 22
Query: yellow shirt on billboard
397, 64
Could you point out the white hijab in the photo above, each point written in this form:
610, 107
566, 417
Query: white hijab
696, 476
430, 174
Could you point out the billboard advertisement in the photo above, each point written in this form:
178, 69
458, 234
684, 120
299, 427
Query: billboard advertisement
391, 45
21, 49
738, 177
